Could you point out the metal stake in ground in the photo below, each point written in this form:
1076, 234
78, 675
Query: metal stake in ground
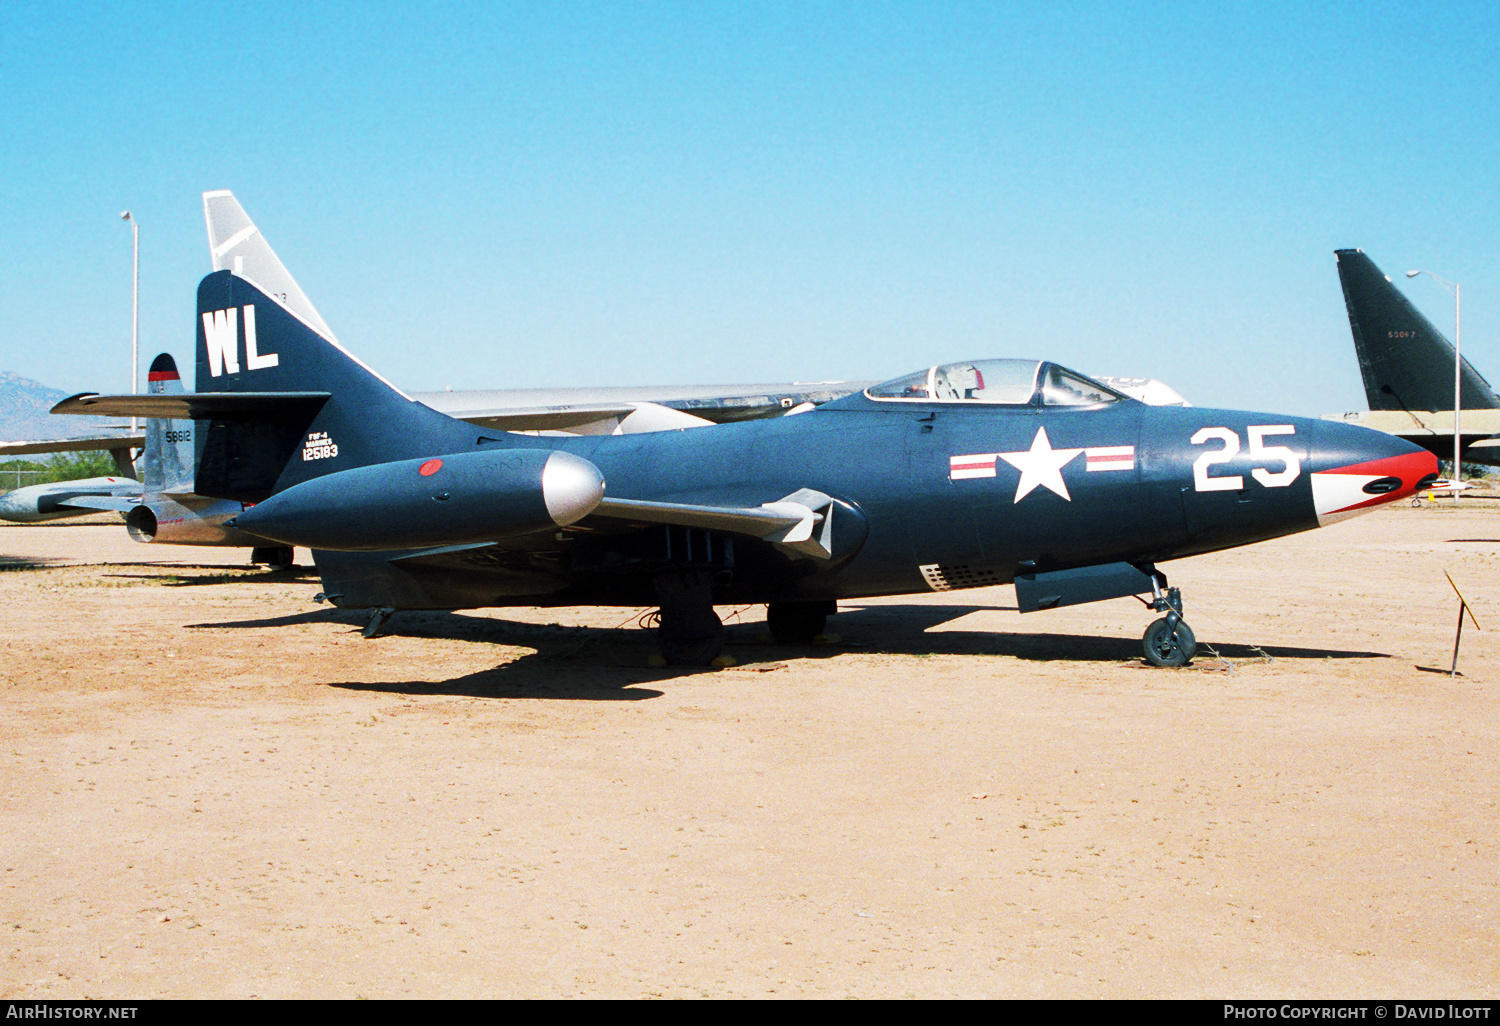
1463, 607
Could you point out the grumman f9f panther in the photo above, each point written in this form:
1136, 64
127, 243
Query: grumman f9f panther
964, 475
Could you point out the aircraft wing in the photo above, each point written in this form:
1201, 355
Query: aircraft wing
651, 408
1433, 430
632, 409
575, 419
118, 446
801, 525
73, 444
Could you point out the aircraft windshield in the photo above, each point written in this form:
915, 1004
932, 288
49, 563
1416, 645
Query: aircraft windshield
1002, 382
1062, 387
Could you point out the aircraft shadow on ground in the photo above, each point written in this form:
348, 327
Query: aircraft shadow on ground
29, 563
199, 574
904, 630
607, 663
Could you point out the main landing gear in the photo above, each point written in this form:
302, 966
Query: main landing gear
1168, 641
689, 633
277, 557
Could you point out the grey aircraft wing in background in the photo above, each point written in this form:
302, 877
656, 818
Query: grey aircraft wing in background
632, 409
118, 446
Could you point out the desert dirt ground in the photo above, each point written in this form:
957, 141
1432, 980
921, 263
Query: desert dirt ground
215, 788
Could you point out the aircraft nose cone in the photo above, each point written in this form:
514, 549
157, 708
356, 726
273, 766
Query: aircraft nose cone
1355, 470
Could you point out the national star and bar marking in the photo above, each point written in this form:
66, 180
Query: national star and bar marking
1041, 465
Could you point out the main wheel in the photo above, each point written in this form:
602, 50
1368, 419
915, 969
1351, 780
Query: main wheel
277, 557
691, 644
796, 623
1165, 646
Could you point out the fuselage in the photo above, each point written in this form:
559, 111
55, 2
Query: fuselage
959, 475
57, 500
958, 497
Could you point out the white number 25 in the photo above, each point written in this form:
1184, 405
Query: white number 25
1291, 465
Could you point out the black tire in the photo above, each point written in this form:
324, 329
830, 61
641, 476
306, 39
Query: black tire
796, 623
1167, 647
277, 557
691, 647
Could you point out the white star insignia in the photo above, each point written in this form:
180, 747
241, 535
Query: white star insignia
1040, 466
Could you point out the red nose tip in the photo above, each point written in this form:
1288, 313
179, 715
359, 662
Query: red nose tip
1348, 491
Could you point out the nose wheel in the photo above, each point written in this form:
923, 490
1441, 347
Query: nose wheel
1169, 640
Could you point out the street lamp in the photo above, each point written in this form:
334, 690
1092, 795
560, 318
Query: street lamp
1458, 369
135, 306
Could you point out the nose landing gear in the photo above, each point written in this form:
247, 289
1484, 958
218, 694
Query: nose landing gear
1168, 641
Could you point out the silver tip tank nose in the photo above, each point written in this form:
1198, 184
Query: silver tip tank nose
571, 487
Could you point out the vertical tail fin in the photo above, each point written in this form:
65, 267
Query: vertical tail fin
1406, 363
334, 413
259, 333
168, 456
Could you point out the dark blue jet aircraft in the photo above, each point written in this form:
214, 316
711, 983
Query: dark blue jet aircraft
959, 476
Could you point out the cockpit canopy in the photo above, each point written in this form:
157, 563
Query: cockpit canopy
997, 382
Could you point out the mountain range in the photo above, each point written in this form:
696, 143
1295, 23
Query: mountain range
23, 413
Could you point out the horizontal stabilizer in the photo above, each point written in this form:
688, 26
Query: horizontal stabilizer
103, 503
194, 405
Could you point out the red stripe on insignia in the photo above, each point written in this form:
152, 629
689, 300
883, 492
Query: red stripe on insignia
1113, 457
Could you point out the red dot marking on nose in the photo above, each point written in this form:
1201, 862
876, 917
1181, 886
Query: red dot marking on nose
430, 467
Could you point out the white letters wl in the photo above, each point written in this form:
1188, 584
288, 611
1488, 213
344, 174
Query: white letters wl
220, 336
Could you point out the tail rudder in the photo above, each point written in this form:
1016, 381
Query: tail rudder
1406, 363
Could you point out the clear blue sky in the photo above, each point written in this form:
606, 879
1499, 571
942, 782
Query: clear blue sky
538, 194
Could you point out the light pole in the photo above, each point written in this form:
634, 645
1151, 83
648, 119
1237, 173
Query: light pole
1458, 369
135, 306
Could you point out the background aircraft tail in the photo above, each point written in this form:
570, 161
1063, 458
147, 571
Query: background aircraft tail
1406, 363
236, 244
167, 460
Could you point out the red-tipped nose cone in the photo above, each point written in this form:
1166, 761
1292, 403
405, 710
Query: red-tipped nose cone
1365, 470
